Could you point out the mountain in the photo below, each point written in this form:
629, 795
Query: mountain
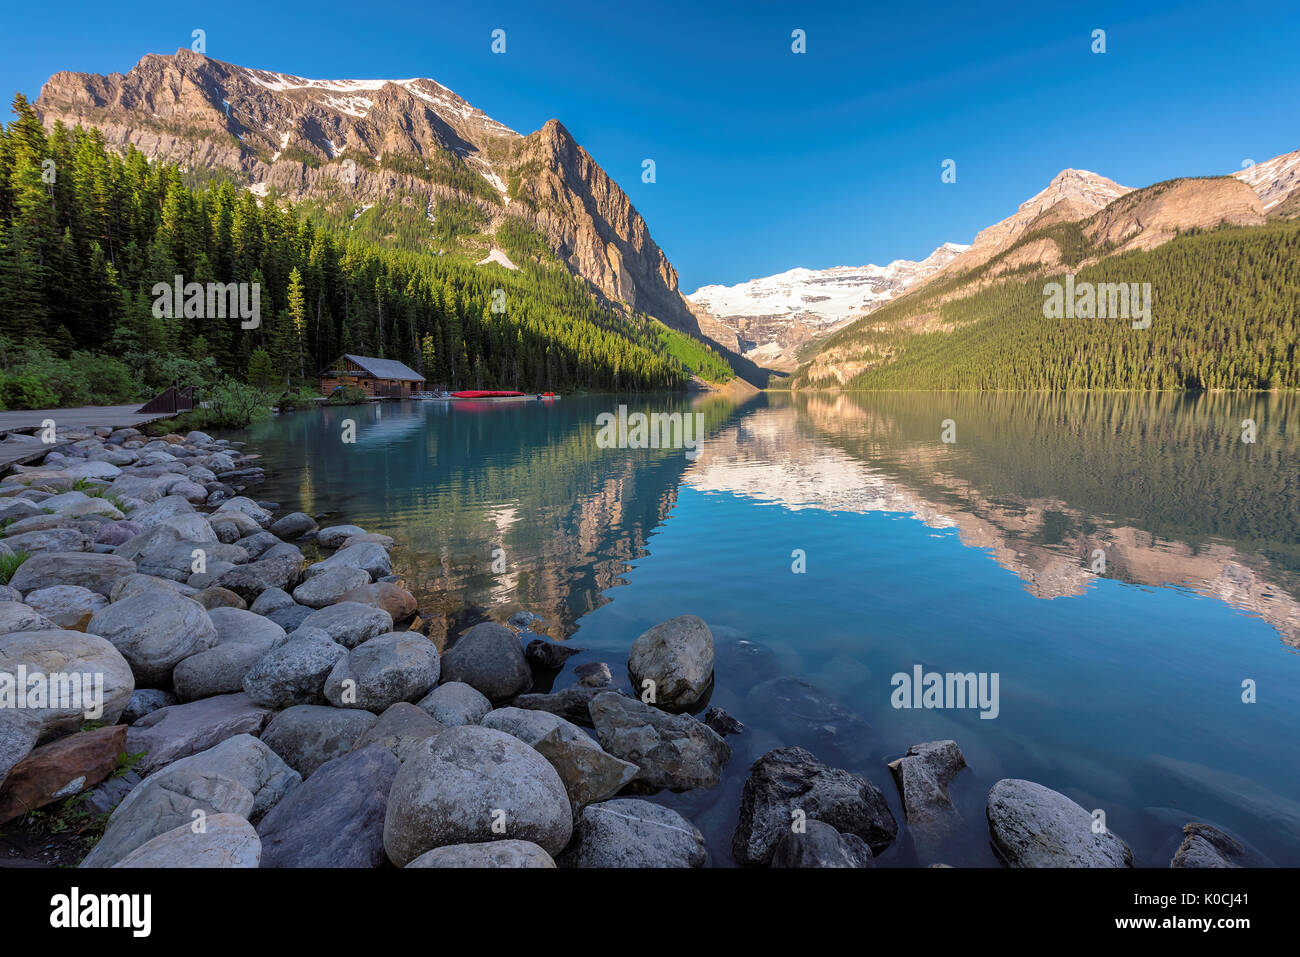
774, 316
407, 162
1219, 253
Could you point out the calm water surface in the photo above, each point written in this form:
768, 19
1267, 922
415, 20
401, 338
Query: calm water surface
1121, 687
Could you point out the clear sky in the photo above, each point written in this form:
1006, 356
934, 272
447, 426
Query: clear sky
767, 159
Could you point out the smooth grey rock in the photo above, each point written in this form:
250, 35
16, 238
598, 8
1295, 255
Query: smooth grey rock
146, 700
294, 672
372, 558
180, 730
155, 630
571, 704
336, 817
227, 840
271, 599
55, 651
50, 540
350, 622
308, 735
336, 535
400, 728
1034, 826
453, 787
455, 703
237, 626
181, 559
217, 671
629, 832
93, 570
923, 776
677, 655
291, 617
19, 730
294, 525
239, 776
249, 581
258, 544
248, 507
68, 606
117, 533
820, 845
792, 779
386, 669
330, 587
19, 616
490, 854
488, 657
672, 750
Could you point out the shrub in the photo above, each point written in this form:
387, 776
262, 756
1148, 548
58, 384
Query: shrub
9, 564
230, 405
22, 390
348, 395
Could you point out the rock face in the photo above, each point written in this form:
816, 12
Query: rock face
1034, 826
175, 732
923, 776
453, 789
155, 630
1204, 846
677, 656
1145, 218
399, 666
227, 840
240, 776
307, 735
629, 832
336, 817
295, 671
672, 751
488, 658
820, 845
52, 652
492, 854
60, 769
588, 773
790, 780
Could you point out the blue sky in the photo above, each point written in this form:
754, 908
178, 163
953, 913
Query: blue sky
767, 159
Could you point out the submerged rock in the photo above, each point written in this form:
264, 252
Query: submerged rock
677, 656
1034, 826
789, 784
805, 713
548, 655
820, 845
923, 776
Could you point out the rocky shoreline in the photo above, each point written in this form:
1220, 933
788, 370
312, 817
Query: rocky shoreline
252, 708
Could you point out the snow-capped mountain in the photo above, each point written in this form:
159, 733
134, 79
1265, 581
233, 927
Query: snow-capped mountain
773, 316
1275, 180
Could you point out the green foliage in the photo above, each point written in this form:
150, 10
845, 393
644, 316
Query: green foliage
694, 355
230, 405
10, 564
261, 371
300, 399
1226, 315
23, 390
348, 395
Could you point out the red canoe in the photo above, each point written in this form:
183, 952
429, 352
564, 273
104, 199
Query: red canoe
485, 394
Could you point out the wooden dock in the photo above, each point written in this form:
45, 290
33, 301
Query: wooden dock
20, 444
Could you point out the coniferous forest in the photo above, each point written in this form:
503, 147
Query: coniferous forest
86, 233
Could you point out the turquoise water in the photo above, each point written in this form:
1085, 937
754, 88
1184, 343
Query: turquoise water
1120, 686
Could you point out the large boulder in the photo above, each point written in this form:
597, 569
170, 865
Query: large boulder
492, 854
308, 735
336, 535
239, 776
19, 616
246, 506
336, 817
293, 525
68, 606
588, 773
155, 630
470, 784
817, 844
294, 672
177, 731
677, 656
50, 540
400, 728
1034, 826
226, 840
329, 587
455, 703
371, 558
923, 776
350, 623
19, 730
237, 626
99, 679
218, 670
788, 785
283, 571
488, 658
389, 596
184, 560
399, 666
629, 832
672, 750
93, 570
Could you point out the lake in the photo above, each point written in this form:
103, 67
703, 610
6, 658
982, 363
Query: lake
1126, 565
